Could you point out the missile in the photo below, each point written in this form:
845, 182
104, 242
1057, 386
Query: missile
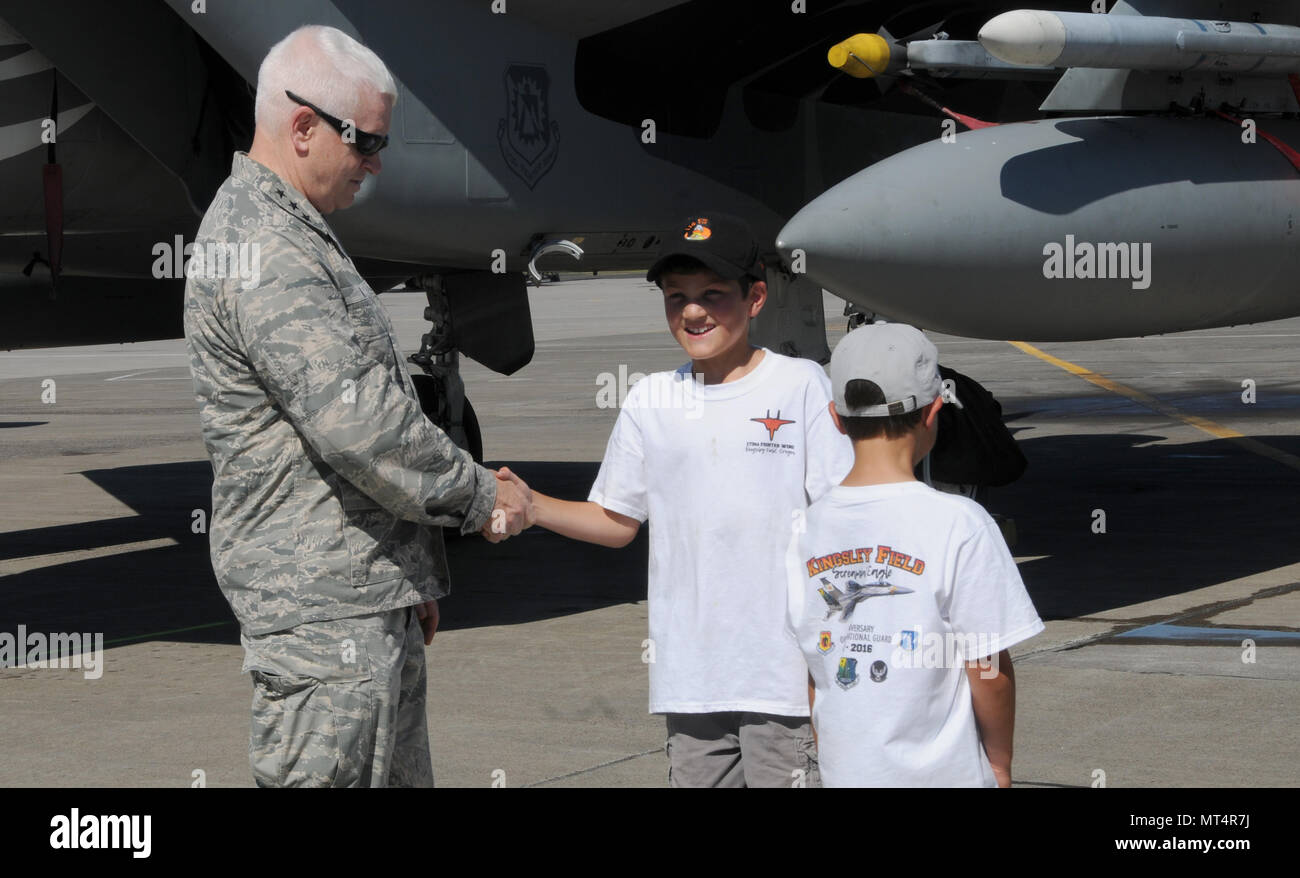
866, 56
1065, 229
1136, 42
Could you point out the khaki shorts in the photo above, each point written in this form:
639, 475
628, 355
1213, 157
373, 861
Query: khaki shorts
738, 749
340, 704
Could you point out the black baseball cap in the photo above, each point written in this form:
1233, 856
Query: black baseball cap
722, 242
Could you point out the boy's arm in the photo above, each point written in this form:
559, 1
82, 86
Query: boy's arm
620, 484
993, 696
584, 520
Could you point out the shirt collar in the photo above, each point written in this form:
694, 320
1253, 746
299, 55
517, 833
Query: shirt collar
274, 187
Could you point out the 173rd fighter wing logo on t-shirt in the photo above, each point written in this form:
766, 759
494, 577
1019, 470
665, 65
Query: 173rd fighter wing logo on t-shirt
771, 424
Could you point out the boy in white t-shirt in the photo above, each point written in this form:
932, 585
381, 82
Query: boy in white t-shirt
903, 600
722, 457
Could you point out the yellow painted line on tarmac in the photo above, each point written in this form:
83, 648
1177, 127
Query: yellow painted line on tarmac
1205, 425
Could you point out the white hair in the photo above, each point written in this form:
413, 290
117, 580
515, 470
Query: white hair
322, 65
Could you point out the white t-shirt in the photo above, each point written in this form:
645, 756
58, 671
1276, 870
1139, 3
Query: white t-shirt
891, 589
723, 472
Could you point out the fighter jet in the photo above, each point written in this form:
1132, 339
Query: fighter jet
845, 604
539, 134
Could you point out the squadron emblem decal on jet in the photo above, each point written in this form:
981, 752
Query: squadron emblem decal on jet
845, 604
529, 139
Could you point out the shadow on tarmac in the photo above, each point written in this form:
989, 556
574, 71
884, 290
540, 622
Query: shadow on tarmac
1177, 518
170, 592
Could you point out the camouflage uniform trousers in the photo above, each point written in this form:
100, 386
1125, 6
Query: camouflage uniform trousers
340, 703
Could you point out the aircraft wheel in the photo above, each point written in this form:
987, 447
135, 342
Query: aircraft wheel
429, 391
473, 434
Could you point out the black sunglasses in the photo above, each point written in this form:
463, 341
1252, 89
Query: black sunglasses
365, 142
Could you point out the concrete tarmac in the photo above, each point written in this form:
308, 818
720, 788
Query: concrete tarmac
1156, 533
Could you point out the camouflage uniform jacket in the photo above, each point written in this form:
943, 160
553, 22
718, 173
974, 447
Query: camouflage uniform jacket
328, 481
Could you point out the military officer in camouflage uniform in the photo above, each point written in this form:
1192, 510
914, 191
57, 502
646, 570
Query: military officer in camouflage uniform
330, 485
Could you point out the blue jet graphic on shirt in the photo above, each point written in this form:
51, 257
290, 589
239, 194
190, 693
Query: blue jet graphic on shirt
846, 603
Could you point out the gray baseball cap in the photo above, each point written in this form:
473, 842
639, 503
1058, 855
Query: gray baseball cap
897, 357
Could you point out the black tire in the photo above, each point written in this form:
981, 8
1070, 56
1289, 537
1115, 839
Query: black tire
427, 390
473, 433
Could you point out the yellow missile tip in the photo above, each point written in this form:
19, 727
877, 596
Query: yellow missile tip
861, 55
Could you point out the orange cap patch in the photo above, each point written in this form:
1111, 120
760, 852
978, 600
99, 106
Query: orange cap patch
698, 230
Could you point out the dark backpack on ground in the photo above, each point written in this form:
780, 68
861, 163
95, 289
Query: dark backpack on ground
974, 446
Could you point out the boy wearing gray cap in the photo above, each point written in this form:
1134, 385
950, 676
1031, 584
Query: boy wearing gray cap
904, 600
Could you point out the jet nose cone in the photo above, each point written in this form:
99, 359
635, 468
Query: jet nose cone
817, 229
917, 237
902, 589
860, 238
831, 234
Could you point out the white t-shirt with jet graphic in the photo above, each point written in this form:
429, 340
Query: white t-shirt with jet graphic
891, 590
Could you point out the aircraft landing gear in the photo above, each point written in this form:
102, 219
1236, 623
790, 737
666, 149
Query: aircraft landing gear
483, 314
856, 317
467, 433
440, 388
